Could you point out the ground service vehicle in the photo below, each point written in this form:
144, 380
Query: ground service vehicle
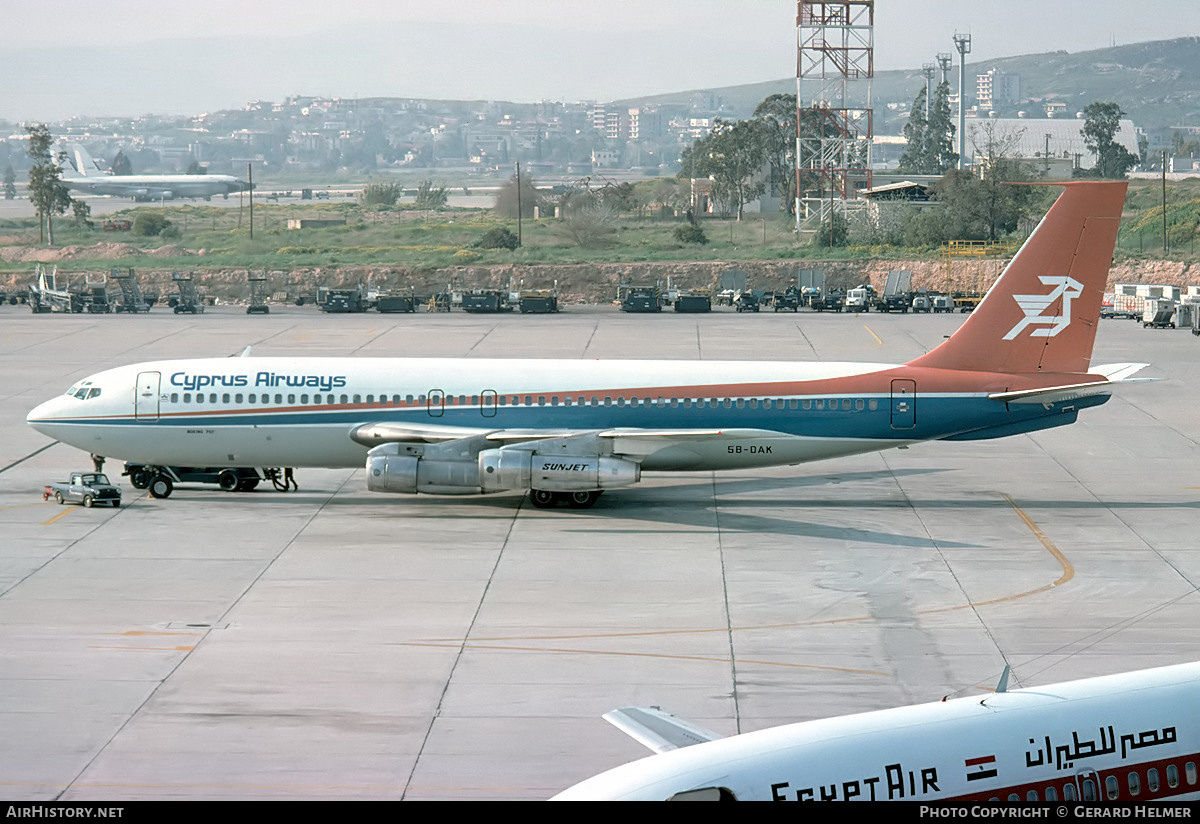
859, 299
161, 480
694, 300
344, 300
387, 302
1158, 313
893, 303
832, 301
485, 301
641, 299
746, 302
538, 301
789, 300
88, 488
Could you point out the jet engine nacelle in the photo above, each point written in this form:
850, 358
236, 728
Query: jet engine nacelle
392, 467
388, 471
501, 469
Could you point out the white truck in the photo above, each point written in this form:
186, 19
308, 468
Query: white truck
859, 299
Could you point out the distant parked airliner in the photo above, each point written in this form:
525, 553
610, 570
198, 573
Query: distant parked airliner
87, 177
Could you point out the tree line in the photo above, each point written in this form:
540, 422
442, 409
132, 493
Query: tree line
748, 157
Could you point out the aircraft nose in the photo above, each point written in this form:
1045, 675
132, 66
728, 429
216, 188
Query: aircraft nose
43, 416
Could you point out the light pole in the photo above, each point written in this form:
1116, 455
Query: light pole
962, 43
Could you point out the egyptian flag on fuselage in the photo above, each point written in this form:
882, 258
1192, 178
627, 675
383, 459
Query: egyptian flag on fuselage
980, 768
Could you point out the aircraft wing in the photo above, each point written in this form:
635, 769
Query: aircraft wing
374, 434
624, 441
1116, 374
658, 730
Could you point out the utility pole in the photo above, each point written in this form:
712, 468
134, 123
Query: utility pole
1164, 199
518, 203
250, 185
962, 43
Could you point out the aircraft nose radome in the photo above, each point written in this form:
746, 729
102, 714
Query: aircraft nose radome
41, 416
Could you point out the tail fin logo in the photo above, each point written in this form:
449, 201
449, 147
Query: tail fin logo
1065, 287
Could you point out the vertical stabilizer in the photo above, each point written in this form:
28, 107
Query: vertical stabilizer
1041, 314
84, 164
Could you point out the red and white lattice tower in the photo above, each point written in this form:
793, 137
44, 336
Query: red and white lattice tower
834, 66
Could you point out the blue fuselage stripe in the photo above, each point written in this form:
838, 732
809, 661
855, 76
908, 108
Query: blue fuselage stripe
917, 417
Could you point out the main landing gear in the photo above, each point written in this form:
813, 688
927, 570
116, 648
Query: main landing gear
152, 478
545, 499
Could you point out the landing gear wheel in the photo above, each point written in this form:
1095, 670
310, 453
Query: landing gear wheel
246, 484
227, 479
583, 500
161, 487
542, 498
140, 479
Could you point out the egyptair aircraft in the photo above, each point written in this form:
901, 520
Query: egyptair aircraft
566, 430
87, 177
1133, 737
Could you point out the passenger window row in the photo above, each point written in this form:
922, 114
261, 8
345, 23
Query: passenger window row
818, 404
1136, 780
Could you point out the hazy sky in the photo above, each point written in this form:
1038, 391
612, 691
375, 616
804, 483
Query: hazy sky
135, 56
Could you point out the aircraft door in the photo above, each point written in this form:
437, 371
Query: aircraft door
435, 403
145, 396
487, 403
904, 403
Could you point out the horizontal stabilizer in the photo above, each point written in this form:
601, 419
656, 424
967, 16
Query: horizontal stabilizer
1117, 373
658, 730
1120, 371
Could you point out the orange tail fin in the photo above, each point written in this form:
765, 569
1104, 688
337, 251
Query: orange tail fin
1041, 314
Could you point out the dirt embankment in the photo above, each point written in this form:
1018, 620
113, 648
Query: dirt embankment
96, 251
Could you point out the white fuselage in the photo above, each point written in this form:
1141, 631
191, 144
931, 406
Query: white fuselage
157, 187
303, 411
1133, 737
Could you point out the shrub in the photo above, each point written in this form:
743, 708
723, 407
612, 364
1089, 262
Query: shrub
429, 197
690, 233
380, 194
149, 223
497, 238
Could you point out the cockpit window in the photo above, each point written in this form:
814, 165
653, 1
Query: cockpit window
82, 393
94, 392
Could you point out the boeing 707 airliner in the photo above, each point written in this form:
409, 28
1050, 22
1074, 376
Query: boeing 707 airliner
87, 177
566, 430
